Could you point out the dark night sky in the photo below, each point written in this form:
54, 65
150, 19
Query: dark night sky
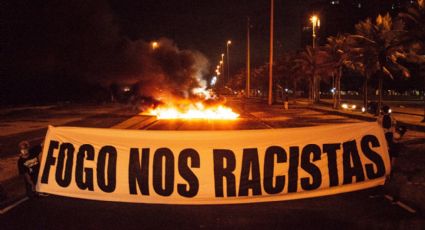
53, 43
193, 24
206, 25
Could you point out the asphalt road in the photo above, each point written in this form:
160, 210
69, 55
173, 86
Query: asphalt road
345, 211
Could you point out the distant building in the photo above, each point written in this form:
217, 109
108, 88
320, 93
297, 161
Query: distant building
340, 16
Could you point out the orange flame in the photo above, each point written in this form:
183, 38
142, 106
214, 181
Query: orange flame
194, 111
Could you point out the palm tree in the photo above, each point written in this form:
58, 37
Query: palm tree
378, 47
362, 62
314, 63
237, 82
283, 71
258, 78
338, 52
296, 75
415, 18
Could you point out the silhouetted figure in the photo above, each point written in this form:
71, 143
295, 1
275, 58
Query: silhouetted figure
388, 123
29, 165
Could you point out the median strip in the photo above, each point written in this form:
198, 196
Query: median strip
10, 207
135, 122
401, 204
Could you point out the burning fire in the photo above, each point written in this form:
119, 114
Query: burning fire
194, 110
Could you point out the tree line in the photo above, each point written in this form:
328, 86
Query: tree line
379, 50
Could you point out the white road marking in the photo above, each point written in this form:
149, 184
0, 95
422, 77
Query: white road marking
401, 204
146, 127
8, 208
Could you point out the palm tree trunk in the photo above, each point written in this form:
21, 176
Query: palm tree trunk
338, 88
313, 89
333, 91
365, 96
310, 89
316, 96
317, 89
381, 79
423, 120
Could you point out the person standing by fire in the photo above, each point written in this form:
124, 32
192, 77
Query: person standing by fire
29, 165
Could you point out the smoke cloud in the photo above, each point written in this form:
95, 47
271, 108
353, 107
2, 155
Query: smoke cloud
81, 41
164, 71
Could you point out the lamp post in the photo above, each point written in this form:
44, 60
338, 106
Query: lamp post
222, 62
154, 45
270, 97
316, 23
228, 59
248, 61
221, 65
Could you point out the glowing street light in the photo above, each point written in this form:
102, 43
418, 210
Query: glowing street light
228, 59
222, 62
213, 81
314, 19
316, 23
154, 45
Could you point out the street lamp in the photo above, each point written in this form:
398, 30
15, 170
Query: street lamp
228, 62
222, 62
270, 96
316, 23
154, 45
248, 59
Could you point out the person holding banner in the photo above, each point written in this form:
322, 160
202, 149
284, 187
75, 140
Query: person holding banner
393, 136
28, 165
388, 123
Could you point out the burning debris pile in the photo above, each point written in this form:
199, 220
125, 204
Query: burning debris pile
170, 84
210, 108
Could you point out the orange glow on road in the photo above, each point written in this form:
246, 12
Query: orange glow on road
207, 107
194, 111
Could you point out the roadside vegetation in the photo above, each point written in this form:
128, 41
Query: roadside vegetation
385, 56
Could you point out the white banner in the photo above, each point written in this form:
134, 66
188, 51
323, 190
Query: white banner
212, 167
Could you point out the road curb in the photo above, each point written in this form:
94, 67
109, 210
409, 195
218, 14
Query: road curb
337, 112
12, 204
409, 126
15, 190
135, 122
